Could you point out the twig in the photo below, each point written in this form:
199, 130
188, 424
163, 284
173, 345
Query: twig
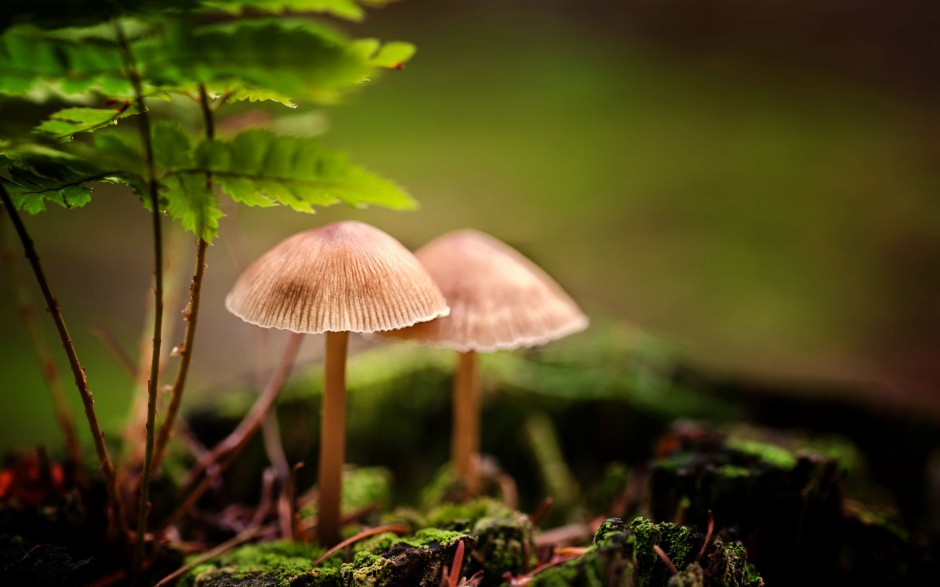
81, 380
111, 344
135, 443
226, 546
49, 370
452, 575
224, 453
394, 528
310, 523
143, 505
565, 535
235, 441
267, 491
541, 511
527, 578
191, 314
255, 528
665, 558
287, 506
708, 535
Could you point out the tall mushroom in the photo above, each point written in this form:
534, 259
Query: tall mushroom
499, 300
340, 278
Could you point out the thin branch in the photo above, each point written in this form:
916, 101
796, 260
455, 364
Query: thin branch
708, 535
49, 370
78, 372
225, 452
114, 347
226, 546
665, 558
191, 314
143, 504
394, 528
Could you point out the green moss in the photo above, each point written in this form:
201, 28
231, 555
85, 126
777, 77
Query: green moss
415, 561
407, 516
608, 563
504, 544
281, 564
376, 544
365, 486
732, 471
607, 529
692, 576
465, 515
679, 543
362, 487
769, 453
444, 488
368, 570
609, 488
432, 536
725, 565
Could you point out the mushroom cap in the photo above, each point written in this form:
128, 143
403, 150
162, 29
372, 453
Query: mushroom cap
346, 276
498, 298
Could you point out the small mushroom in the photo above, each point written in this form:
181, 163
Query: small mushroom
499, 300
340, 278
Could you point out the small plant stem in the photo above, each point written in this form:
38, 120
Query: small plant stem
81, 380
394, 528
143, 118
49, 370
113, 346
221, 549
466, 439
332, 438
191, 316
226, 451
665, 558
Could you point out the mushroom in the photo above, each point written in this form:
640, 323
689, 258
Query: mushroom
340, 278
499, 300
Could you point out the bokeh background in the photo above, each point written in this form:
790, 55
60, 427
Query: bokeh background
754, 183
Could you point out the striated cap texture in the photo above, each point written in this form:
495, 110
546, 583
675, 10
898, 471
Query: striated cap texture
498, 298
346, 276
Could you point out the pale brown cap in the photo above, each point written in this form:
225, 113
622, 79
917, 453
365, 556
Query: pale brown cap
498, 298
346, 276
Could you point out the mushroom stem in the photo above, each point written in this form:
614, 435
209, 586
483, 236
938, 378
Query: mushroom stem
332, 438
466, 440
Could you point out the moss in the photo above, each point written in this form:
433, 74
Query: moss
732, 471
611, 485
369, 570
429, 537
444, 488
463, 516
607, 563
725, 565
376, 544
362, 487
769, 453
414, 562
607, 528
280, 564
365, 486
787, 507
504, 545
692, 576
407, 516
679, 543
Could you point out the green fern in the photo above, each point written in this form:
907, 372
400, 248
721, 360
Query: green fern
269, 59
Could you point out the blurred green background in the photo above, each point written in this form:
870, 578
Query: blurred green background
755, 184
